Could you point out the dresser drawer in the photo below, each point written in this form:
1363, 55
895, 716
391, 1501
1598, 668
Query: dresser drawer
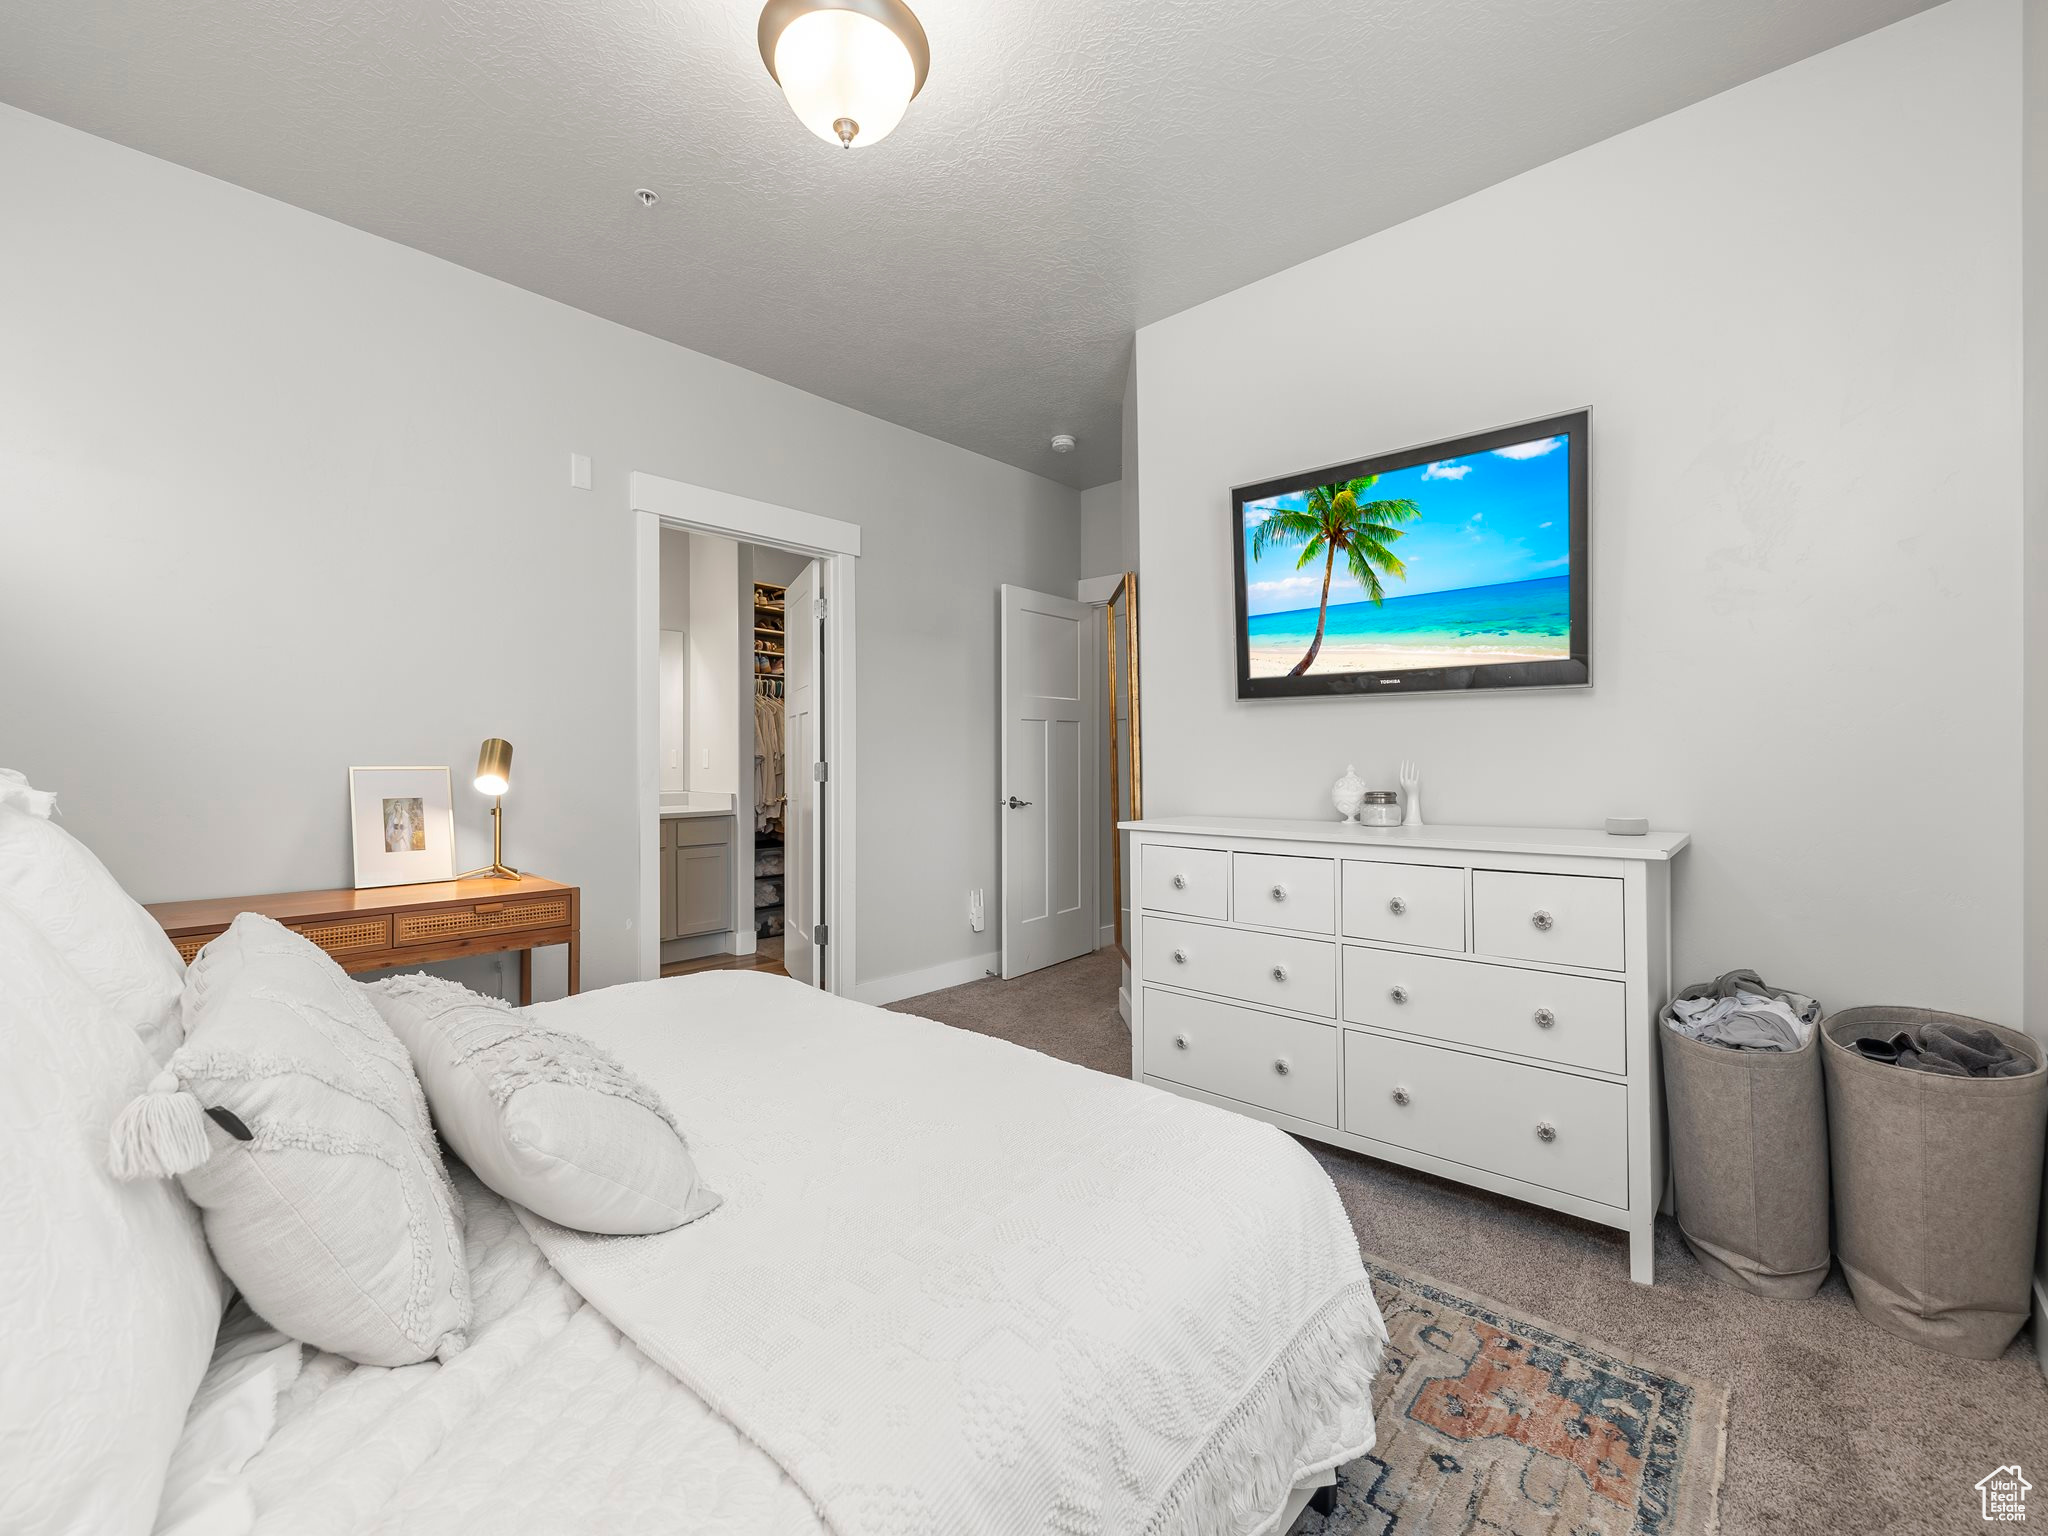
1405, 903
1576, 1021
1284, 891
1490, 1114
1563, 919
1282, 1064
1266, 968
444, 923
1194, 881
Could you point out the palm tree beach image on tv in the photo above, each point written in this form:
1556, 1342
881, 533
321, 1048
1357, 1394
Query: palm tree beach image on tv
1459, 565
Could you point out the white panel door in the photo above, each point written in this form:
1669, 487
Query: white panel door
1048, 788
803, 826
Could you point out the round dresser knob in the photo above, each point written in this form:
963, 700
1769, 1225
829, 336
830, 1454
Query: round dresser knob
1279, 893
1398, 906
1180, 882
1545, 1018
1180, 957
1180, 1042
1279, 973
1542, 920
1545, 1131
1400, 1095
1280, 1065
1399, 994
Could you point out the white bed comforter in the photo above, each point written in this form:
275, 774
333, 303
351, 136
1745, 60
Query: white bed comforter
961, 1286
550, 1423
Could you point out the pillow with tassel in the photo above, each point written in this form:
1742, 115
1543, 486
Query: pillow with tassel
551, 1121
292, 1118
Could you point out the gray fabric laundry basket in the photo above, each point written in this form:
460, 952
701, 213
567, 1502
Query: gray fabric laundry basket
1749, 1157
1937, 1186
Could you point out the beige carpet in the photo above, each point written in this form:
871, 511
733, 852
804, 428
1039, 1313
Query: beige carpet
1833, 1426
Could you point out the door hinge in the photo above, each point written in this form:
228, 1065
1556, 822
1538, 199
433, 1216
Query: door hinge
819, 774
818, 934
821, 607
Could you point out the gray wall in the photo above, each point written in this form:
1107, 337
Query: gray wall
1794, 311
277, 497
1109, 544
2034, 298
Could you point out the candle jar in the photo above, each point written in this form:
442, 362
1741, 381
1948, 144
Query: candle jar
1379, 808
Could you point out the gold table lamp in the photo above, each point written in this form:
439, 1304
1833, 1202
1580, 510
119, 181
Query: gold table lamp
493, 778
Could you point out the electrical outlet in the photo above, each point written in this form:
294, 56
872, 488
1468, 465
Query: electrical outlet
579, 471
974, 911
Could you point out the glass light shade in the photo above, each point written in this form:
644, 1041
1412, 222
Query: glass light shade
494, 767
843, 67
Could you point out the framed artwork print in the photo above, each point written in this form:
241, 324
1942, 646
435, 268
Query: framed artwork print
402, 825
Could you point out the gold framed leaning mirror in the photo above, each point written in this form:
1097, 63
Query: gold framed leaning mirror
1124, 734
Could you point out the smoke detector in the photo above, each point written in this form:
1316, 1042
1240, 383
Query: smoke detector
1063, 443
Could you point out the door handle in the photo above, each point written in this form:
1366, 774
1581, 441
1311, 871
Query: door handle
1014, 803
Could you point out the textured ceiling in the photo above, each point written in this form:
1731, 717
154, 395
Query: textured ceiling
1073, 170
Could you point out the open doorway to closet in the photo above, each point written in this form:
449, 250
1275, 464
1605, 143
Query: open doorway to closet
745, 634
724, 656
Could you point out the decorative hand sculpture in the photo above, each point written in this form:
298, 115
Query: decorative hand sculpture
1411, 794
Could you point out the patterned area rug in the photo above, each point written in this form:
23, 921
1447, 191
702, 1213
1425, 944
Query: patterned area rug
1494, 1423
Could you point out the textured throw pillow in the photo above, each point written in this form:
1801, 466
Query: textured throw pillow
292, 1118
108, 1298
550, 1121
115, 947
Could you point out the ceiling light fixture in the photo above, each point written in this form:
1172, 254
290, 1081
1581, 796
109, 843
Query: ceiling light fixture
848, 67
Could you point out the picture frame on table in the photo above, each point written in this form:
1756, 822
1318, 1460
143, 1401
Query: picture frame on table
401, 825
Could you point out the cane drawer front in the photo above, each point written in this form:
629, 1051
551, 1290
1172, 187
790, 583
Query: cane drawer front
1273, 969
1562, 919
341, 937
1268, 1059
1420, 904
1553, 1129
1576, 1021
446, 924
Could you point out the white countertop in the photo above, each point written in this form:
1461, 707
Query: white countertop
695, 803
1541, 842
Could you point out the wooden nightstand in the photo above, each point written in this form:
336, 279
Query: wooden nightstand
404, 925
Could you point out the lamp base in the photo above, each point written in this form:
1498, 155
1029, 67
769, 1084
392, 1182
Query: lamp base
492, 871
497, 869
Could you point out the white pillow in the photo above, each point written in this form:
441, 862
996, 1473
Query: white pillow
115, 947
550, 1121
322, 1186
108, 1298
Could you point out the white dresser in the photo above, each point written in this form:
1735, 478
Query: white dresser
1478, 1002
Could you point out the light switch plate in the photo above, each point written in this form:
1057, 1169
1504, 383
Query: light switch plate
579, 471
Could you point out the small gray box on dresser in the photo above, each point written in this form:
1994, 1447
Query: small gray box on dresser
1477, 1002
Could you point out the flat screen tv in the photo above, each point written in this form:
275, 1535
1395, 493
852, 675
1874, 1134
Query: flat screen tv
1459, 565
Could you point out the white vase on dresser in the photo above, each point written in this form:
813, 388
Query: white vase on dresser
1477, 1002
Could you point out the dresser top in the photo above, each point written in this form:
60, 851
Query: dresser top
1540, 842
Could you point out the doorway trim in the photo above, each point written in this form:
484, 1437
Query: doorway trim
657, 502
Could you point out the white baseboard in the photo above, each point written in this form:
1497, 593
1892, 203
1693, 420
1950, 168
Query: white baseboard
893, 989
1105, 936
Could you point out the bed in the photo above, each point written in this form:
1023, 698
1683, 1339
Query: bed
953, 1285
830, 1127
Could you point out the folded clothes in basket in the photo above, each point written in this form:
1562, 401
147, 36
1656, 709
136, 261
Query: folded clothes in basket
1948, 1050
